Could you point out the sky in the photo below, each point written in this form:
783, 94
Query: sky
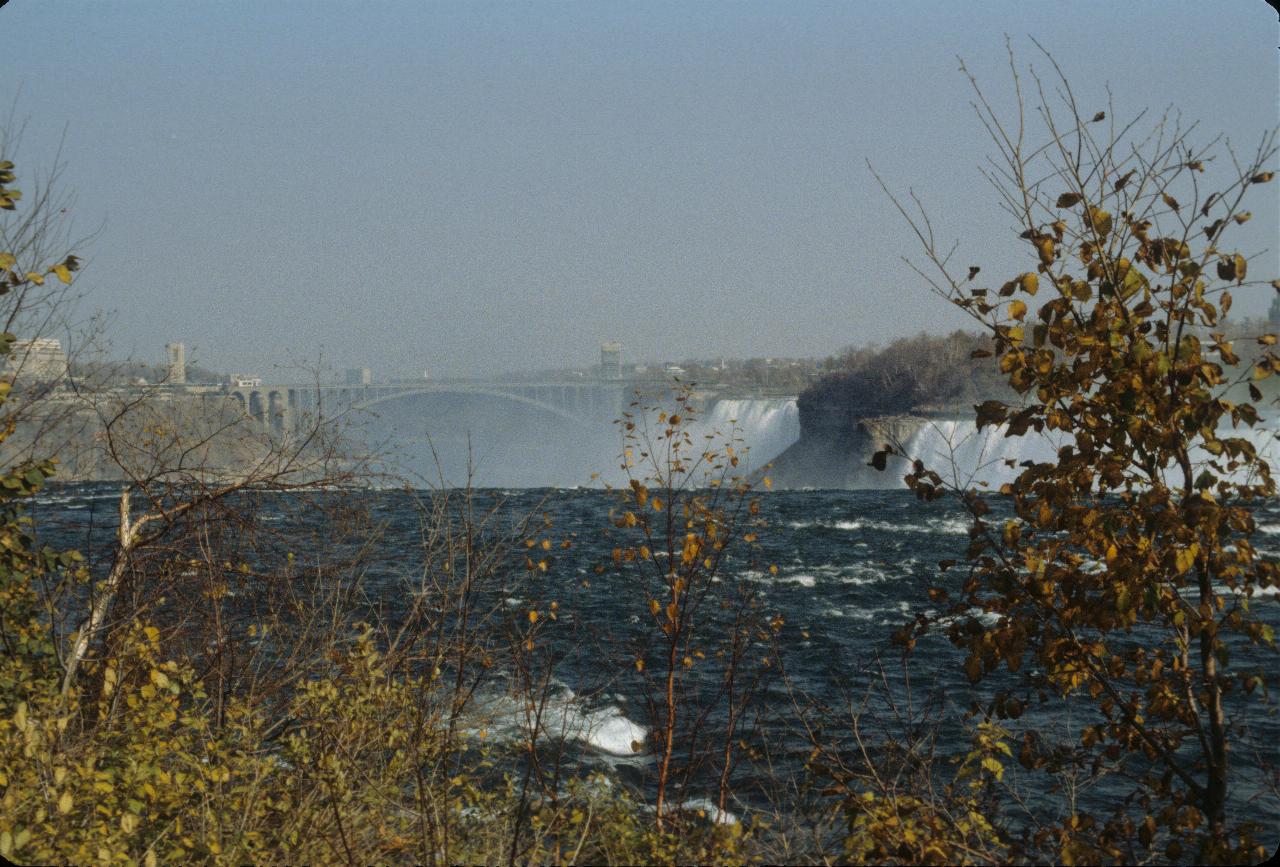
470, 188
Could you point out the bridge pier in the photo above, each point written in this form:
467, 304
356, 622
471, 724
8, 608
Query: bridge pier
257, 407
277, 412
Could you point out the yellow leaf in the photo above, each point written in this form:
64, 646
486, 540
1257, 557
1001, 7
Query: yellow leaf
1030, 283
63, 273
1045, 247
1017, 310
65, 803
1100, 221
533, 616
7, 260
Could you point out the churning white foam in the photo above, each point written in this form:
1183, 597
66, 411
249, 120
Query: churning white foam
714, 813
605, 729
951, 526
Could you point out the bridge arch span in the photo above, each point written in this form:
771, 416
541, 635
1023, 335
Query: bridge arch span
499, 394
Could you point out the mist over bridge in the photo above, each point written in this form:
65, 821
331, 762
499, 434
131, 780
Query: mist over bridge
510, 431
504, 432
283, 406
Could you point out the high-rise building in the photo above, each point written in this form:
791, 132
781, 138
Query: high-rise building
39, 361
1274, 315
611, 360
359, 376
176, 355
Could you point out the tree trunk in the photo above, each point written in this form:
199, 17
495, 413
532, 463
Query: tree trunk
101, 605
1215, 792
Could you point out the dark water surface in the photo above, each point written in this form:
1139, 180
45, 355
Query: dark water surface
851, 567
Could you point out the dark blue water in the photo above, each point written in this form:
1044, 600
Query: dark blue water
851, 567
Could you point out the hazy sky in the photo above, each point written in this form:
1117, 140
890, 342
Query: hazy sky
471, 187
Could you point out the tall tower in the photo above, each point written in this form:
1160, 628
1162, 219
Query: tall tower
1274, 315
176, 353
611, 360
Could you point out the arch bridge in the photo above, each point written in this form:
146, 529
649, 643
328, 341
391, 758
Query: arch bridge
281, 407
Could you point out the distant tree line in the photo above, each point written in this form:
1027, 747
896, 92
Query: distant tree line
910, 374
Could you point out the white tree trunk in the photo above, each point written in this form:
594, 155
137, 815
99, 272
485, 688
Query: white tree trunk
100, 605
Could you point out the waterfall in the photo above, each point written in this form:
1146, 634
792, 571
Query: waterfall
767, 426
963, 455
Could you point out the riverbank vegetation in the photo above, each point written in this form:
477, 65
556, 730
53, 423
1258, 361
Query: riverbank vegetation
213, 691
924, 373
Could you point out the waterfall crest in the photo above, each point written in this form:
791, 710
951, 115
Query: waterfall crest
963, 455
767, 426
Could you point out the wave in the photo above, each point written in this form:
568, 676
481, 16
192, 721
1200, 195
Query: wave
710, 810
950, 526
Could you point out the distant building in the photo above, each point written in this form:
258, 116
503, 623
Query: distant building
611, 360
1273, 316
244, 380
36, 362
176, 356
359, 376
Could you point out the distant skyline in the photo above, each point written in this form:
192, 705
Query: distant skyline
468, 188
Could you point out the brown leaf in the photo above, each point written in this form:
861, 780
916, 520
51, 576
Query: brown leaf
1068, 200
1102, 115
1170, 201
